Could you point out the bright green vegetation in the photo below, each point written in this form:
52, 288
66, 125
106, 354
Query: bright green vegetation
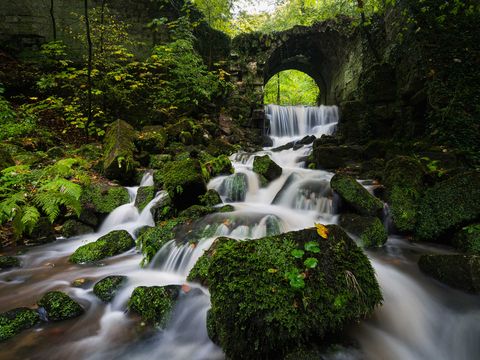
14, 321
112, 244
254, 300
448, 205
107, 288
266, 168
458, 271
291, 87
468, 239
370, 230
7, 262
104, 199
59, 306
403, 177
218, 166
356, 196
154, 238
145, 194
211, 198
154, 303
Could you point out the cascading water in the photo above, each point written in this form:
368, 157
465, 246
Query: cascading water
420, 319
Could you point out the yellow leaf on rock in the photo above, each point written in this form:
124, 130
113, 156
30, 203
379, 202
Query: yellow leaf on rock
322, 230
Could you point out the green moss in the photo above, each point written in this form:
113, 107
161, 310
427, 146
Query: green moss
14, 321
256, 313
7, 262
266, 168
356, 196
468, 239
59, 306
113, 243
5, 159
153, 239
152, 139
145, 194
107, 288
195, 212
73, 228
154, 303
211, 198
226, 208
184, 182
448, 206
158, 161
219, 166
104, 199
458, 271
370, 230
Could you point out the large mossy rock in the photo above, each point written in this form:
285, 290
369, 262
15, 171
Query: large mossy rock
369, 229
356, 196
154, 238
266, 168
152, 139
60, 306
103, 199
211, 198
328, 155
468, 239
458, 271
448, 206
6, 159
184, 182
145, 194
43, 232
403, 178
14, 321
153, 303
119, 148
271, 295
107, 288
75, 228
218, 166
111, 244
8, 262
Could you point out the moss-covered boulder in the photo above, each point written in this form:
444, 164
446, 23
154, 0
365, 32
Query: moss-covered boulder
235, 187
119, 148
8, 262
271, 295
468, 239
6, 159
153, 303
107, 288
60, 306
163, 209
266, 168
369, 229
211, 198
184, 182
458, 271
356, 196
330, 157
103, 199
403, 178
448, 206
154, 238
145, 194
151, 139
113, 243
218, 166
74, 228
14, 321
158, 161
43, 232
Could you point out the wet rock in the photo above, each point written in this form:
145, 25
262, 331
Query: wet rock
369, 229
74, 228
468, 239
119, 148
145, 194
103, 199
163, 209
235, 187
88, 217
448, 206
8, 262
60, 306
107, 288
309, 139
154, 238
403, 178
283, 291
153, 303
113, 243
267, 141
458, 271
287, 146
266, 168
330, 157
356, 196
42, 233
211, 198
218, 166
14, 321
195, 212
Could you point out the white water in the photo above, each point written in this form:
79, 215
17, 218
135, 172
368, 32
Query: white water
420, 319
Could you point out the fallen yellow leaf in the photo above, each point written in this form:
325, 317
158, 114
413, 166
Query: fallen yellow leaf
322, 230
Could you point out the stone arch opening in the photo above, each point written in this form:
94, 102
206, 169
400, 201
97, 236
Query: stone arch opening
291, 87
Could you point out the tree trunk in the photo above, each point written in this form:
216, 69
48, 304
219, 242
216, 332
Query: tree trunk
54, 23
278, 89
89, 70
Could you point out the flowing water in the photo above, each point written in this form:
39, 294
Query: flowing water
420, 318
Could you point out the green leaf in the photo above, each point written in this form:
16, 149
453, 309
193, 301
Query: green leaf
297, 283
312, 247
297, 253
311, 263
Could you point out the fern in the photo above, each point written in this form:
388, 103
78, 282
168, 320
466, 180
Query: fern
29, 218
57, 193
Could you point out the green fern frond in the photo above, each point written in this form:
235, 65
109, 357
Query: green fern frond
30, 217
10, 207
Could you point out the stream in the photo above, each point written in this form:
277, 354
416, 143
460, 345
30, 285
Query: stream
420, 318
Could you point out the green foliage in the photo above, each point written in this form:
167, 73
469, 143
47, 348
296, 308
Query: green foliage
15, 124
27, 194
468, 239
59, 306
154, 303
296, 88
14, 321
106, 288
